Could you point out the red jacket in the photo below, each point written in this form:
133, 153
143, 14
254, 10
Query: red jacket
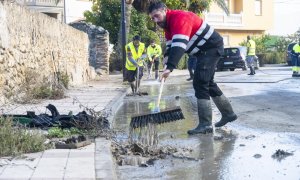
187, 32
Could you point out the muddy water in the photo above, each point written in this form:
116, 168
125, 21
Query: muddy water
234, 152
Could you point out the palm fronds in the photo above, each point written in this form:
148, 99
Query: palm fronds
222, 5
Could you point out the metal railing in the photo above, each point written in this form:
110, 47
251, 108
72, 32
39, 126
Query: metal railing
44, 3
221, 19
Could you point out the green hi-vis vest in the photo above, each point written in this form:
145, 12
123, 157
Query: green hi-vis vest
135, 55
296, 48
154, 51
251, 47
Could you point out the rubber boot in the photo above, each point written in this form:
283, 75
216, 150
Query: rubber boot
191, 75
251, 71
295, 74
156, 74
132, 87
205, 117
226, 110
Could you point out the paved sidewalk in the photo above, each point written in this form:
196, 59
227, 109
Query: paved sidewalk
91, 162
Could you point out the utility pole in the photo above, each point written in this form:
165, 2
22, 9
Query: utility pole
123, 37
65, 15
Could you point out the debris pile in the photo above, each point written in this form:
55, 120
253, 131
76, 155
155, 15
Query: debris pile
137, 154
82, 119
138, 94
281, 154
73, 142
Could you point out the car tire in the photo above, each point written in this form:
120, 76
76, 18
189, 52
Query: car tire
231, 69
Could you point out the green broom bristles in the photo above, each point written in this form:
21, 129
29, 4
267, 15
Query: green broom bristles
161, 117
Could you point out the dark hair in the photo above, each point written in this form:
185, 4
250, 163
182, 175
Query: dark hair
156, 5
152, 41
137, 38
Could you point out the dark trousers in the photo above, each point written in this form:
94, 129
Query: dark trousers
295, 60
203, 82
192, 62
131, 74
156, 64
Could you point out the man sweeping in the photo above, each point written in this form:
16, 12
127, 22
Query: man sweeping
154, 52
135, 51
188, 33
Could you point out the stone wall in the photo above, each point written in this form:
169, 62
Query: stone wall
98, 47
31, 41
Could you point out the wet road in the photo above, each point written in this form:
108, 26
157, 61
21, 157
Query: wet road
268, 121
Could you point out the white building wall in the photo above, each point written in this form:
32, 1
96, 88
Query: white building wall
75, 9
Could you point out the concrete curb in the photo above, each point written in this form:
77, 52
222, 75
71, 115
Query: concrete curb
105, 165
114, 105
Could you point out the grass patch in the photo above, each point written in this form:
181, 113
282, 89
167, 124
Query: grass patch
16, 139
57, 132
46, 91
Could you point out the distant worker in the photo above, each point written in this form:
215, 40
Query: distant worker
250, 59
135, 51
296, 60
154, 52
192, 61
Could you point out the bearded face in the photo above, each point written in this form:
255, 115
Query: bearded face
159, 17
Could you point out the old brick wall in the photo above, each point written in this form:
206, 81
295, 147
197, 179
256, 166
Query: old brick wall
31, 41
98, 47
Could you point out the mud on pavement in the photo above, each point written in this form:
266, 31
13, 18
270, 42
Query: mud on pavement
262, 144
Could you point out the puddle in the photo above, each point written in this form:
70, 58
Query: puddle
235, 152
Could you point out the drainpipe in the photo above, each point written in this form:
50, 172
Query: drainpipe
123, 37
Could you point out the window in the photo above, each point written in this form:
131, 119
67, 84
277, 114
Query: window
258, 7
226, 40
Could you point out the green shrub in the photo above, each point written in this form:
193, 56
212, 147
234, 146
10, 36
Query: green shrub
64, 79
16, 139
47, 91
35, 87
271, 58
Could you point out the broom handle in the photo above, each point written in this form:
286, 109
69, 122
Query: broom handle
137, 79
160, 91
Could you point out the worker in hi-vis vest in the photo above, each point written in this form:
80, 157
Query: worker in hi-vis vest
296, 59
135, 52
154, 52
250, 55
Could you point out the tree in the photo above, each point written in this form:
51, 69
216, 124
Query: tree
197, 6
106, 13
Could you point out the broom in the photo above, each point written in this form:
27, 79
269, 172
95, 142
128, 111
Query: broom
157, 116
